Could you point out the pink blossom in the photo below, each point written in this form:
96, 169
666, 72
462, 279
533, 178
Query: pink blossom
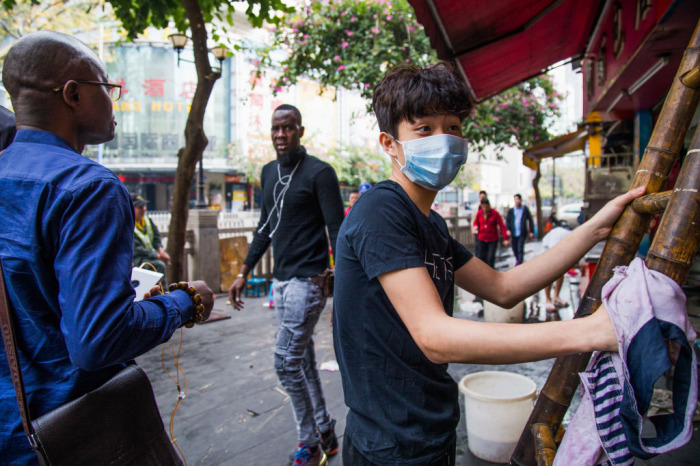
343, 13
389, 17
353, 19
496, 119
366, 85
343, 44
295, 30
341, 68
375, 30
375, 16
371, 36
411, 28
349, 33
336, 58
306, 36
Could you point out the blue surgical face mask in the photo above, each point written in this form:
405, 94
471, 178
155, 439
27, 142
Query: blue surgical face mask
433, 161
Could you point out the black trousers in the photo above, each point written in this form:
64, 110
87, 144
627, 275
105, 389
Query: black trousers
486, 251
353, 457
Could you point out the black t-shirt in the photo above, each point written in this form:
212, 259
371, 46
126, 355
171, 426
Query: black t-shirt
403, 408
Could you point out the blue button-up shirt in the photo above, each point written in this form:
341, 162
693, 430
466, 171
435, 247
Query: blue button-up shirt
66, 239
518, 217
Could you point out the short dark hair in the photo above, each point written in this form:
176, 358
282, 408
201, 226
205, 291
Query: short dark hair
290, 108
485, 201
518, 196
482, 192
408, 91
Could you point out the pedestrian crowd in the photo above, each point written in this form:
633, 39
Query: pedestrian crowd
71, 234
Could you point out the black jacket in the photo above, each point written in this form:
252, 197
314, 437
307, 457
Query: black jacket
526, 219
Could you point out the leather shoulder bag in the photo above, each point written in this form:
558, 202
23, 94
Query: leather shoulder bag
116, 424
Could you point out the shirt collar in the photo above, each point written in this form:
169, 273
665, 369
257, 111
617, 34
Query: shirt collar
42, 137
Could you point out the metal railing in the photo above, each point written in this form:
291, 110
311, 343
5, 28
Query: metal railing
237, 224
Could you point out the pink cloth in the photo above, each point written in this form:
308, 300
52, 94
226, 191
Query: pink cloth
645, 307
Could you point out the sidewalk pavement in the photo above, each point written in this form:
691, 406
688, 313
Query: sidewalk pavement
236, 412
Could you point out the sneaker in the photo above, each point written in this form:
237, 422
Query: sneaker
306, 457
329, 442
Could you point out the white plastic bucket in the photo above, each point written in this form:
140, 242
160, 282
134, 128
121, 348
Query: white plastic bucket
514, 315
497, 407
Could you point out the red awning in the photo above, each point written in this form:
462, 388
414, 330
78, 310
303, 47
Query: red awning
500, 43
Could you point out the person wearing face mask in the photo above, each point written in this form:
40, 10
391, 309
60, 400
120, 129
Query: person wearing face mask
300, 200
396, 268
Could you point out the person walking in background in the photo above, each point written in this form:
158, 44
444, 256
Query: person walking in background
300, 199
475, 233
148, 245
66, 239
521, 227
487, 223
553, 302
7, 127
351, 201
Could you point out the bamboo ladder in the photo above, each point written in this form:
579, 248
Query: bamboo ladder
671, 253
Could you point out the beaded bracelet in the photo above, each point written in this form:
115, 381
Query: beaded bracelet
198, 316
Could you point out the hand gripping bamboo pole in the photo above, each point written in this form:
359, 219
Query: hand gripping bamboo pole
620, 248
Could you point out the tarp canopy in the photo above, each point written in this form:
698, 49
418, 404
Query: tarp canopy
500, 43
554, 148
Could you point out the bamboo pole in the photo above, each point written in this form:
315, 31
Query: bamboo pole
652, 203
544, 444
691, 78
620, 248
676, 240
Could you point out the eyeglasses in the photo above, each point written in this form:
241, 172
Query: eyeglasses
114, 90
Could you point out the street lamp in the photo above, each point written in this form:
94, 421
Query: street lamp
179, 42
220, 54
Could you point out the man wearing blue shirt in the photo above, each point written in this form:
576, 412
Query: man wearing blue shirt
66, 239
519, 223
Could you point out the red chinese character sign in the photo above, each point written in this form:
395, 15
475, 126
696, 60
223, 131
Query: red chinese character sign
153, 109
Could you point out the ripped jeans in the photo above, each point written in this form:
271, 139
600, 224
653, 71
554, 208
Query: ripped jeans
298, 304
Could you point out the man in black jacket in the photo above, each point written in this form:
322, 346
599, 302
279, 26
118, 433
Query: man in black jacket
519, 223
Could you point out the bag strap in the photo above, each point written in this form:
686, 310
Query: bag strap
8, 338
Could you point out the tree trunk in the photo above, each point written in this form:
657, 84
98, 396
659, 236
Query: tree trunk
195, 141
538, 202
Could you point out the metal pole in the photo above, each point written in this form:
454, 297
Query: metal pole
554, 187
201, 202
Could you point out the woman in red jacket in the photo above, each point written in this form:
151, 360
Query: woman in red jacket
486, 224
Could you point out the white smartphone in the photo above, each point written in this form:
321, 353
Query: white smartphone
143, 280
